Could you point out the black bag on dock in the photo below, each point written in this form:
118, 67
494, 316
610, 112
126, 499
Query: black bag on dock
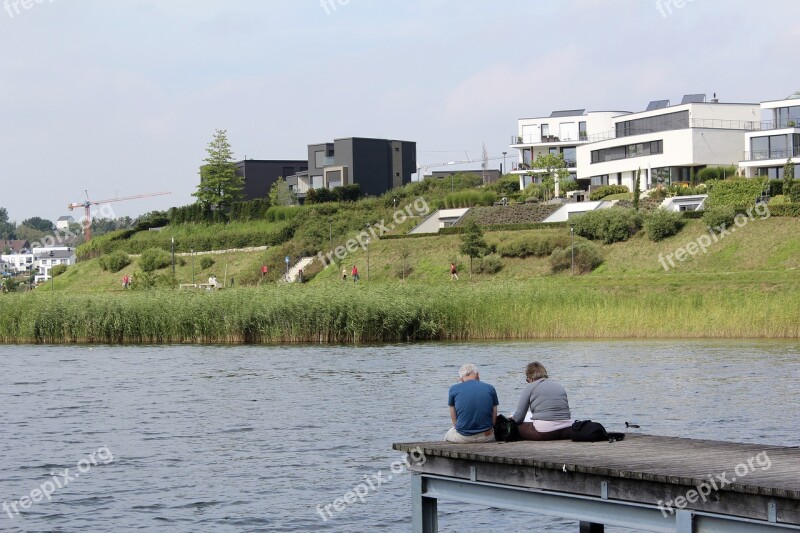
588, 431
505, 429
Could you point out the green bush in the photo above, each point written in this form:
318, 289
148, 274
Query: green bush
661, 224
491, 264
738, 193
206, 261
470, 198
58, 270
535, 245
587, 258
794, 193
115, 261
719, 216
153, 259
608, 225
715, 173
775, 187
607, 190
785, 210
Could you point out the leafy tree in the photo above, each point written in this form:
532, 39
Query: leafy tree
788, 176
473, 244
219, 185
636, 190
40, 224
553, 170
281, 194
30, 234
6, 228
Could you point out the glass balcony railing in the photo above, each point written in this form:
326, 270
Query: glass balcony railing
761, 155
541, 139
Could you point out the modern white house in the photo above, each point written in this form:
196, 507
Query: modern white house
560, 133
777, 141
669, 143
16, 256
441, 218
47, 258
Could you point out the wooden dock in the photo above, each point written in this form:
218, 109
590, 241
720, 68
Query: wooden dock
644, 482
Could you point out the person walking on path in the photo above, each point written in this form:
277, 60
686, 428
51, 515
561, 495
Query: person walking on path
354, 273
344, 274
453, 272
125, 281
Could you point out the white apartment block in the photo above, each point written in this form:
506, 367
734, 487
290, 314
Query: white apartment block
560, 133
778, 140
669, 143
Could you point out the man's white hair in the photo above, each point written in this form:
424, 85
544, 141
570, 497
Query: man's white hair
466, 370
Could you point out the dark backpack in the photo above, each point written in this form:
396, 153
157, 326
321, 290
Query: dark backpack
505, 429
588, 431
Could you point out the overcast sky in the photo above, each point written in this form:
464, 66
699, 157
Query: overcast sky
121, 97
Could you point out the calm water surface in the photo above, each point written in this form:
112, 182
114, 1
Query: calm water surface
230, 439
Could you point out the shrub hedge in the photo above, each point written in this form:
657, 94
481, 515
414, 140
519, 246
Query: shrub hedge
587, 258
114, 262
532, 245
661, 224
719, 216
607, 190
608, 225
153, 259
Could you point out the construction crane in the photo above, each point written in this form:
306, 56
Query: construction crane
87, 205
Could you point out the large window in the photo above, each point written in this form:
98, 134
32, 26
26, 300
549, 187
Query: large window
786, 115
773, 147
569, 156
600, 180
670, 121
626, 151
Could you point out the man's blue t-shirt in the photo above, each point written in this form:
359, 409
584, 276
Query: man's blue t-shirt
474, 402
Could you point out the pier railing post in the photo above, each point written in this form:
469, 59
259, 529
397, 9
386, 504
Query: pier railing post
424, 510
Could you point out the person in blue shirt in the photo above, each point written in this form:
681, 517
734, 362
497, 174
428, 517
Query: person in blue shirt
473, 408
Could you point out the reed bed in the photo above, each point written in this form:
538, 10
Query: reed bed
348, 313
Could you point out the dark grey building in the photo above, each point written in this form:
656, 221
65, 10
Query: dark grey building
260, 174
376, 165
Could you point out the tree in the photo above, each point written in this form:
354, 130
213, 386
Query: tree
281, 194
473, 244
40, 224
6, 228
636, 190
788, 176
27, 233
219, 185
553, 169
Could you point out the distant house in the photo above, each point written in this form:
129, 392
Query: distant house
62, 224
441, 218
14, 246
375, 165
47, 258
260, 174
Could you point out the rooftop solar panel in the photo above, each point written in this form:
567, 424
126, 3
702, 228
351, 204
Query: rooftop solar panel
567, 113
657, 104
693, 99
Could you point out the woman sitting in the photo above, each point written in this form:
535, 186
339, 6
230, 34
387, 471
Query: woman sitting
548, 405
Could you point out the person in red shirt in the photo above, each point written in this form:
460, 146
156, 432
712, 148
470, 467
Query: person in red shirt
453, 272
354, 273
264, 271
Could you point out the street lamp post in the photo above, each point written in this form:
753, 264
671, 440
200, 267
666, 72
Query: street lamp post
173, 257
330, 232
192, 251
368, 239
504, 164
572, 233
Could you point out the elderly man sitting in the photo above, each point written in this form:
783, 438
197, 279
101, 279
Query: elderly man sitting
473, 408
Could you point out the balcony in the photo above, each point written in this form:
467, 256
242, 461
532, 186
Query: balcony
524, 167
763, 155
544, 139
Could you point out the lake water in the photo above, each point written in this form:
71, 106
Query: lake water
231, 439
